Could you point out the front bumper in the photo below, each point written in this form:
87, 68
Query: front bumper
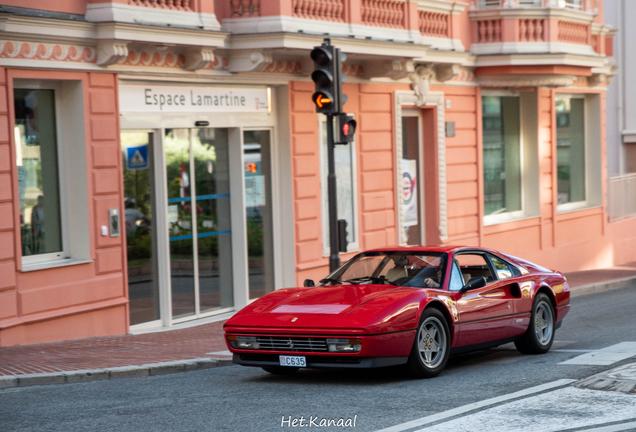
260, 359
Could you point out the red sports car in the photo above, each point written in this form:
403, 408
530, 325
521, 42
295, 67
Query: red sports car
410, 306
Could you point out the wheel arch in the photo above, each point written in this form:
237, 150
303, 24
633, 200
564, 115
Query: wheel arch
436, 304
544, 288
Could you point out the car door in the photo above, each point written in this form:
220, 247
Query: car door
519, 288
485, 313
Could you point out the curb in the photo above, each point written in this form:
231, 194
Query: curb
87, 375
602, 286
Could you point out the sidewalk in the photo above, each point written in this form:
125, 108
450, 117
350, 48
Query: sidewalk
180, 350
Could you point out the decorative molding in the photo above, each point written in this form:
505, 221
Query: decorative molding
394, 69
249, 61
118, 12
464, 75
111, 51
421, 82
447, 72
596, 79
220, 63
410, 98
353, 70
51, 52
154, 59
198, 58
286, 67
551, 81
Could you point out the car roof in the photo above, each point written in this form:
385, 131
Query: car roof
435, 248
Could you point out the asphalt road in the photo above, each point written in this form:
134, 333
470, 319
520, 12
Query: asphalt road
237, 398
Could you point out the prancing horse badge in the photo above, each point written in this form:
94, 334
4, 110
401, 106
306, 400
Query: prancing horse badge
294, 319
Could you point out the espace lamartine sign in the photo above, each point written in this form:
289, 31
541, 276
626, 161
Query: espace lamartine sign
192, 99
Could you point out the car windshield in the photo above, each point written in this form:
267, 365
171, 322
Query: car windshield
413, 269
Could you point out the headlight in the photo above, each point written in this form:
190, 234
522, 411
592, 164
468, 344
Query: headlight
243, 342
344, 345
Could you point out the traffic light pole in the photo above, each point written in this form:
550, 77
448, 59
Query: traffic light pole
334, 255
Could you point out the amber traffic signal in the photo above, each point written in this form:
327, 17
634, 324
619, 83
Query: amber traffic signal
327, 78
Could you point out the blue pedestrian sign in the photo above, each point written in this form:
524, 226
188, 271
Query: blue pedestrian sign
137, 157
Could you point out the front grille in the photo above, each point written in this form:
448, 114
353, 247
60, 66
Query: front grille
277, 343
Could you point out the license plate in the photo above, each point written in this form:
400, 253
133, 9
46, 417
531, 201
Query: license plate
293, 361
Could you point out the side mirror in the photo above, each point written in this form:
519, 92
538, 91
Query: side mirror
309, 283
474, 283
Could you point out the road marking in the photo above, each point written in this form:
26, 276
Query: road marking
476, 405
614, 428
605, 356
581, 351
565, 409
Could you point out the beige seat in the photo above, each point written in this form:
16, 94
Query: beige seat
396, 273
466, 277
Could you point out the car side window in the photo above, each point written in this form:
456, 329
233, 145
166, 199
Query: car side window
456, 280
473, 265
503, 269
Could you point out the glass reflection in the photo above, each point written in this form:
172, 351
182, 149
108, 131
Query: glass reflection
180, 213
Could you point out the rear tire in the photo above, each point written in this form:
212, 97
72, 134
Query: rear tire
540, 334
279, 370
431, 346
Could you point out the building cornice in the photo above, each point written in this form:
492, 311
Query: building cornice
441, 6
533, 13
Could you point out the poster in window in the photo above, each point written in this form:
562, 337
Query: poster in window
409, 192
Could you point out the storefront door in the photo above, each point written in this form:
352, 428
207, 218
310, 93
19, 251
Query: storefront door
199, 224
139, 214
258, 211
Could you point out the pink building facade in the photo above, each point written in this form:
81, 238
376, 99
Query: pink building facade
162, 161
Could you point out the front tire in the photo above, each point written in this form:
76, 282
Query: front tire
431, 347
279, 370
540, 334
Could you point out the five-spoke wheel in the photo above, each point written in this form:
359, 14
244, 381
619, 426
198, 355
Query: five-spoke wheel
431, 346
540, 334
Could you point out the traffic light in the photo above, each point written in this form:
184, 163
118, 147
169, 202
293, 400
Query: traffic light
342, 235
328, 78
346, 127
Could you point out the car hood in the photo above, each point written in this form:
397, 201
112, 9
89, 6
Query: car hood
335, 307
329, 300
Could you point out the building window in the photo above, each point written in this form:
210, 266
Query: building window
570, 121
502, 155
50, 150
38, 173
346, 186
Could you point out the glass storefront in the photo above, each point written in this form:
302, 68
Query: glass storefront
258, 211
199, 224
139, 214
198, 192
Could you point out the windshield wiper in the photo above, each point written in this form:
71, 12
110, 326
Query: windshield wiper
376, 280
333, 281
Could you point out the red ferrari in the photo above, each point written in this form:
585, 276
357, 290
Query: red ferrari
412, 306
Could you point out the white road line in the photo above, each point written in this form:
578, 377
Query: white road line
605, 356
564, 350
476, 405
565, 409
614, 428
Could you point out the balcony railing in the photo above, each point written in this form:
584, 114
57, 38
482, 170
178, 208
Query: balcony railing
578, 5
384, 13
326, 10
433, 24
622, 197
179, 5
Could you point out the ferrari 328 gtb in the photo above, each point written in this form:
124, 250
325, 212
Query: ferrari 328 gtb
410, 306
